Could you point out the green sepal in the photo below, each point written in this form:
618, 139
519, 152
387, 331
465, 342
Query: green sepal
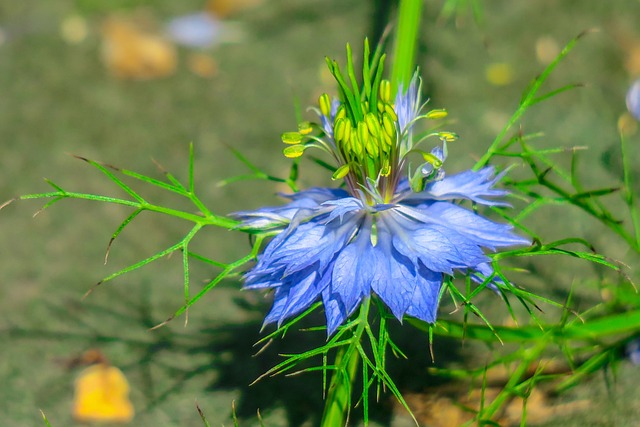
373, 237
417, 181
432, 159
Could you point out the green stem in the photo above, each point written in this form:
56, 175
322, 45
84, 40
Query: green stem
218, 221
629, 194
339, 396
409, 14
336, 409
516, 378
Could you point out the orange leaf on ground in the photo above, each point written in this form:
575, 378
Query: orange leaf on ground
131, 51
102, 395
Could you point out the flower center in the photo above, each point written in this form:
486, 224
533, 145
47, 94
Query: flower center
368, 133
365, 136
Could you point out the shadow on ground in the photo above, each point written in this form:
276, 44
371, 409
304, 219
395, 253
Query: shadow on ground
198, 362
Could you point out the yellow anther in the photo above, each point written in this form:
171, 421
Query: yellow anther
381, 107
347, 130
391, 112
383, 144
385, 91
325, 104
293, 151
363, 133
389, 139
341, 172
341, 113
338, 129
291, 137
305, 128
388, 124
372, 147
437, 114
356, 144
373, 124
448, 136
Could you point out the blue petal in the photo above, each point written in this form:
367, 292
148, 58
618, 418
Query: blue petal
318, 195
342, 207
334, 311
476, 228
633, 99
279, 301
272, 216
353, 273
394, 279
439, 248
471, 185
260, 278
301, 295
311, 243
424, 302
407, 104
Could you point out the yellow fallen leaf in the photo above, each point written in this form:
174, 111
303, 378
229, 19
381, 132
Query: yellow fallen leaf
202, 65
74, 29
130, 51
499, 74
627, 126
224, 8
547, 49
102, 395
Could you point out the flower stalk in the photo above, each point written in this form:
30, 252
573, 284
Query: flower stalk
409, 14
338, 401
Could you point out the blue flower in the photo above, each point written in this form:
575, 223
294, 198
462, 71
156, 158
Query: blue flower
390, 233
633, 99
330, 248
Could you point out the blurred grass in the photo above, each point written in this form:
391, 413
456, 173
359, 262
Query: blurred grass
58, 98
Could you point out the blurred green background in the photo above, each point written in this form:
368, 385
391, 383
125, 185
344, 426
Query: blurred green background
57, 98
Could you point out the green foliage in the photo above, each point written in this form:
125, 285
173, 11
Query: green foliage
204, 218
44, 418
590, 341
